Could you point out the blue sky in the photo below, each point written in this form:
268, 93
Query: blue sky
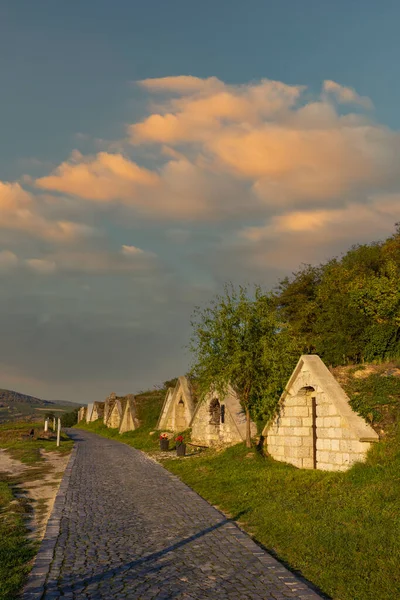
205, 171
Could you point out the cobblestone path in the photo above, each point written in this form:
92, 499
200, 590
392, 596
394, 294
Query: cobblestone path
130, 529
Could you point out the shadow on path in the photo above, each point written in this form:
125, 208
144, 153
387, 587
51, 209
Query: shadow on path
147, 560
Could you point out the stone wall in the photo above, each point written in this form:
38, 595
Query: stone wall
178, 407
316, 427
228, 426
82, 414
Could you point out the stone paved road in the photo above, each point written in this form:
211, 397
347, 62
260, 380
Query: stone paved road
130, 529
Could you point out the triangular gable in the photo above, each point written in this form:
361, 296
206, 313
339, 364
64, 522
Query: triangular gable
82, 414
129, 420
115, 415
311, 371
98, 411
108, 406
171, 418
232, 430
315, 426
89, 412
165, 408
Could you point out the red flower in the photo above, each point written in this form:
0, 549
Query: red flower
164, 436
179, 439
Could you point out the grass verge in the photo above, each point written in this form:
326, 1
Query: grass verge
340, 530
16, 550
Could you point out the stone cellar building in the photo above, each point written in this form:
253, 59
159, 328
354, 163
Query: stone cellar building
220, 420
129, 421
98, 411
315, 427
178, 408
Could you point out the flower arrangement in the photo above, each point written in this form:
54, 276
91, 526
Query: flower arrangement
179, 439
164, 436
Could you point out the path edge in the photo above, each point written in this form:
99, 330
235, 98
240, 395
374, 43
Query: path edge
35, 586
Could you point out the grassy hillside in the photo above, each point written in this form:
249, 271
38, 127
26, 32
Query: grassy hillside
340, 530
21, 407
148, 406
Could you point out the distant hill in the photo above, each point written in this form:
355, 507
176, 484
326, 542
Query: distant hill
21, 407
10, 397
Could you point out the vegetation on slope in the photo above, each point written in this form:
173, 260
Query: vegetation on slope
148, 406
347, 310
16, 550
340, 530
21, 407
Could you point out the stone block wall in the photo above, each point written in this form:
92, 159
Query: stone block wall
329, 436
231, 431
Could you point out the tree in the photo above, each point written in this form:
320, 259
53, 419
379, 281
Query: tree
239, 341
69, 419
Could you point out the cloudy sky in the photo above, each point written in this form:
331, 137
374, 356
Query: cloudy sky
152, 150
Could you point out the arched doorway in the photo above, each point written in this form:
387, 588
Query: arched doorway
311, 403
180, 422
215, 412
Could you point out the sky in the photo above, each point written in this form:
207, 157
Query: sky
151, 151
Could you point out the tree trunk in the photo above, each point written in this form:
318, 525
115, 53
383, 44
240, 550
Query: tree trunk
248, 432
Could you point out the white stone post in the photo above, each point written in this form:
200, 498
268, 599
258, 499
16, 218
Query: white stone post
58, 432
46, 424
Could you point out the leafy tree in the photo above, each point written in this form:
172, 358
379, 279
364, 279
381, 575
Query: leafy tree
296, 300
69, 419
239, 341
170, 383
348, 309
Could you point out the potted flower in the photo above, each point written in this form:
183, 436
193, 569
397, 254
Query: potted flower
164, 441
180, 446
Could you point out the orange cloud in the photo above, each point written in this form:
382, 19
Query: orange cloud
21, 211
203, 109
345, 95
181, 84
379, 215
229, 149
104, 177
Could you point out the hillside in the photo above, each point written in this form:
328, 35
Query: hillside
374, 392
15, 406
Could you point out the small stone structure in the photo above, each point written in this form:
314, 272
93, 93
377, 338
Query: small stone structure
316, 427
89, 412
115, 415
82, 414
129, 421
178, 407
220, 420
98, 411
108, 406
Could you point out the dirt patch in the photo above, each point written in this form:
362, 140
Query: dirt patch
42, 492
10, 465
36, 485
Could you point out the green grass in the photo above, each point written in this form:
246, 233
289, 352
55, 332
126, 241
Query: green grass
26, 450
16, 551
376, 397
148, 410
340, 530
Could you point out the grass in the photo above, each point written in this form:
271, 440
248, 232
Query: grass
340, 530
12, 437
16, 551
148, 407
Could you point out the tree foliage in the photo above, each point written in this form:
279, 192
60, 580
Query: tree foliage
348, 309
69, 419
239, 340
